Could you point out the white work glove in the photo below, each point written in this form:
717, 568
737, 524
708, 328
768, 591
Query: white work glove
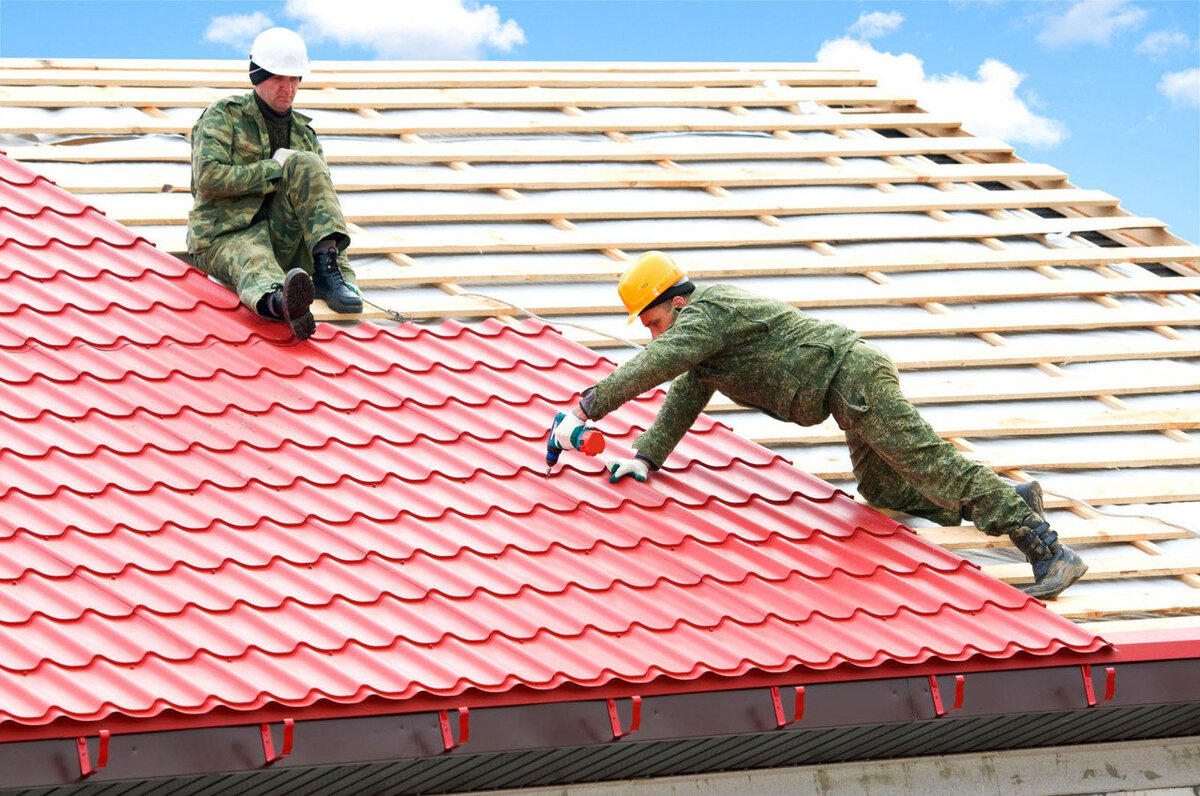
565, 428
281, 155
618, 468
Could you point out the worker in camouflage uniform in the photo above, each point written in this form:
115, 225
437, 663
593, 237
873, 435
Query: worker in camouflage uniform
766, 354
264, 199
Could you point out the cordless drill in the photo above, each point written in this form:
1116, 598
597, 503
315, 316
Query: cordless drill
588, 441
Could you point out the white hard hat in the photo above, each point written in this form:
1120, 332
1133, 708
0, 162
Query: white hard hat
281, 52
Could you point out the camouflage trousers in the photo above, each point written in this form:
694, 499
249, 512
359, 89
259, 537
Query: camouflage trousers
304, 211
899, 460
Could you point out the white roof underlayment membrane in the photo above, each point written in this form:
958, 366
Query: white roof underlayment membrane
157, 165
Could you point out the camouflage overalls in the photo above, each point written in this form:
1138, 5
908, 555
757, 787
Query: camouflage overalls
232, 172
767, 355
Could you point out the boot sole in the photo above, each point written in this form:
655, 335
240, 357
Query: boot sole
1057, 580
298, 296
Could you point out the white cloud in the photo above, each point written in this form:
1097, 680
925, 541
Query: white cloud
988, 105
1160, 42
876, 24
417, 29
1091, 22
237, 30
1182, 88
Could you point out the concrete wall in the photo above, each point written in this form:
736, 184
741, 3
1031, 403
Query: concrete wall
1163, 767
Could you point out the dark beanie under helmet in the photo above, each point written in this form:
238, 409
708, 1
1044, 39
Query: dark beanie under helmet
258, 74
683, 287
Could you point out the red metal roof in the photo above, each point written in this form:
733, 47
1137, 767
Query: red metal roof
197, 512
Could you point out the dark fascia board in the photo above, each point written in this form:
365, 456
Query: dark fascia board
1125, 648
541, 729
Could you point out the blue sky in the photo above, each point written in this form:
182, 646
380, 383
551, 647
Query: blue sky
1106, 90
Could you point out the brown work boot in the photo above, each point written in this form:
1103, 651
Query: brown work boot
1055, 566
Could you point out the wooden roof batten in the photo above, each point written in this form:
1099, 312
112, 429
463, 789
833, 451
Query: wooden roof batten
867, 138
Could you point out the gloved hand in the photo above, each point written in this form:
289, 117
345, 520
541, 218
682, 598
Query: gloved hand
618, 468
566, 427
281, 155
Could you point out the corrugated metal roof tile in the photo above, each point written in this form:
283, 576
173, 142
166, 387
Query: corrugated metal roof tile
30, 197
100, 258
83, 228
197, 512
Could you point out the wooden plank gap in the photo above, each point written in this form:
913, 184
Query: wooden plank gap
401, 259
1071, 530
1168, 332
1169, 300
1050, 369
1108, 271
993, 339
1106, 568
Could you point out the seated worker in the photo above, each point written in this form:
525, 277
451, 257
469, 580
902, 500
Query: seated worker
768, 355
263, 198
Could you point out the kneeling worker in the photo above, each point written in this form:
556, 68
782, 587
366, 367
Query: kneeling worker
766, 354
263, 197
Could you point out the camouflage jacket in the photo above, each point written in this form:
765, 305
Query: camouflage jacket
232, 168
761, 352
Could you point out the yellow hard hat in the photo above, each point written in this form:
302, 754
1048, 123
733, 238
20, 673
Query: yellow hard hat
647, 279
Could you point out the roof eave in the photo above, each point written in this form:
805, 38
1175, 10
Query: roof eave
1143, 675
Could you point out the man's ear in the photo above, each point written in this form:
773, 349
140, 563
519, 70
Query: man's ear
679, 302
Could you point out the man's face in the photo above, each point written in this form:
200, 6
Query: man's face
278, 91
659, 318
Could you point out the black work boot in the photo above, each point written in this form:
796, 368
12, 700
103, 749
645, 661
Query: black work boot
331, 285
1055, 566
290, 302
